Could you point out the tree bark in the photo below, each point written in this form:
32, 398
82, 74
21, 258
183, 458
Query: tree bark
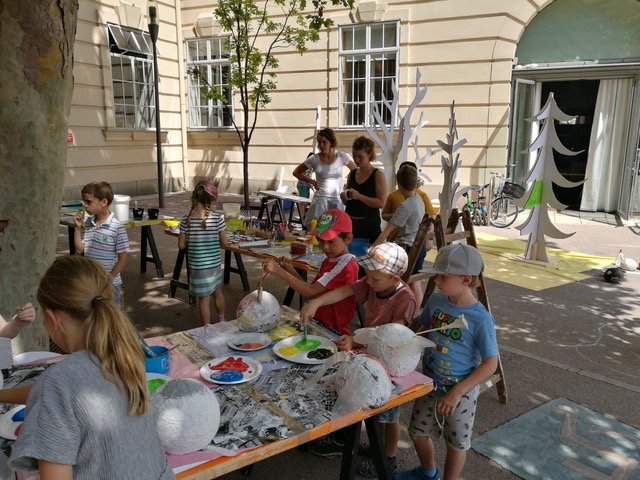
36, 84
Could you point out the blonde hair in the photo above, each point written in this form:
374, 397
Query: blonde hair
81, 288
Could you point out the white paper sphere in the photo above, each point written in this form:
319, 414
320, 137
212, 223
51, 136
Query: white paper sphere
389, 345
363, 382
254, 316
187, 415
630, 264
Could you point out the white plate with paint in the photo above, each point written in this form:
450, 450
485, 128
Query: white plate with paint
11, 421
231, 369
315, 352
155, 381
249, 342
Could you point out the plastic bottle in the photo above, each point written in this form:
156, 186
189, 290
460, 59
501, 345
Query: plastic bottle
621, 262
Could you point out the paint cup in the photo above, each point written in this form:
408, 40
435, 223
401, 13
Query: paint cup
153, 213
358, 247
159, 363
138, 213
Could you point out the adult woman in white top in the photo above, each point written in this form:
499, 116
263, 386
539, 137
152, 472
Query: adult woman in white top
327, 165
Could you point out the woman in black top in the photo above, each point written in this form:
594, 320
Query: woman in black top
365, 192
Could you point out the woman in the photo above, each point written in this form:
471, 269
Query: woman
327, 165
366, 191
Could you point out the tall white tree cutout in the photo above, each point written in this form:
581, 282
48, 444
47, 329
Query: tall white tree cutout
541, 178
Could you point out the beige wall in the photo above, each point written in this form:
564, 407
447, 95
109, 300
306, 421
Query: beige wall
463, 48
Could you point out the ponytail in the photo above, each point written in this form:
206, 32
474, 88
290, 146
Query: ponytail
81, 288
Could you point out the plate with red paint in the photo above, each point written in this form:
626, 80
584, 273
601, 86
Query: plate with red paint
11, 421
249, 342
231, 369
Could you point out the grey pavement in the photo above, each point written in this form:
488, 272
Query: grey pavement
580, 341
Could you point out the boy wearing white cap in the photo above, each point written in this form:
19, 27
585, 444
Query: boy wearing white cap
388, 300
462, 359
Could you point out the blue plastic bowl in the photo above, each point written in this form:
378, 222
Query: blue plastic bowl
158, 364
359, 247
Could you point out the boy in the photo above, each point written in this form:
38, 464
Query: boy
395, 198
470, 357
104, 238
388, 300
406, 219
333, 231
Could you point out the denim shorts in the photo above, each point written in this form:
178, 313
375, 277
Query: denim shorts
420, 260
389, 416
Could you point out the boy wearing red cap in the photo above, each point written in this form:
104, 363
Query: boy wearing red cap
333, 231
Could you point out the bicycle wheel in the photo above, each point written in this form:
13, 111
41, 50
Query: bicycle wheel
475, 217
503, 212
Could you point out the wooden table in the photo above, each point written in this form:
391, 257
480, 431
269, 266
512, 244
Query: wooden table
146, 240
239, 268
351, 421
280, 198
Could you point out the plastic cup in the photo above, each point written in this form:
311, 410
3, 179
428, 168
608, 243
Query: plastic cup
159, 363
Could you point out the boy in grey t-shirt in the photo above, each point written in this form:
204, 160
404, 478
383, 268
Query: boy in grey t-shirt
406, 219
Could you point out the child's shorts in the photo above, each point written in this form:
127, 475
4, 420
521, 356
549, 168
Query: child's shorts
389, 416
457, 428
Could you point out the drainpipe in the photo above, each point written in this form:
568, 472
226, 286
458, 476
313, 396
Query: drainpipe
183, 96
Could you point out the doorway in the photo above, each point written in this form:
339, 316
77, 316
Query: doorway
576, 98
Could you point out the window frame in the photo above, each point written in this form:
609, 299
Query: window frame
368, 53
136, 58
214, 67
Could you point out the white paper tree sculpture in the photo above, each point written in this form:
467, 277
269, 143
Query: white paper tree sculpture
450, 163
393, 154
541, 179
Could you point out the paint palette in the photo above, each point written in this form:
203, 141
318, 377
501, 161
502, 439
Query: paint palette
248, 342
155, 381
11, 421
312, 352
231, 369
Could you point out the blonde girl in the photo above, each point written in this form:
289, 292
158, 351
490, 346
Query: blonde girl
89, 412
202, 234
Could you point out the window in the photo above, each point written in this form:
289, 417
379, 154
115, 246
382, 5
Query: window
132, 77
368, 66
211, 57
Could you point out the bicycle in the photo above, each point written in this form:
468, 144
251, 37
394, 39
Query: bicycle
477, 210
503, 211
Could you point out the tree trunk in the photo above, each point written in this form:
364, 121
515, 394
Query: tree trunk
36, 83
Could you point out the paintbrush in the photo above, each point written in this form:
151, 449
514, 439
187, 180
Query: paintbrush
260, 287
304, 333
459, 322
145, 346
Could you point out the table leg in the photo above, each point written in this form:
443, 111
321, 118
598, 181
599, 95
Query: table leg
72, 246
147, 237
350, 452
240, 270
288, 298
376, 441
175, 282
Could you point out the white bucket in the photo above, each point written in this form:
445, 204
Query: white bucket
120, 206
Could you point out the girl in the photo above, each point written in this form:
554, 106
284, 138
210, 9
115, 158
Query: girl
202, 234
87, 414
366, 191
327, 164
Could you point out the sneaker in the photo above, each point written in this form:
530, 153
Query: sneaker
326, 447
416, 474
367, 468
365, 450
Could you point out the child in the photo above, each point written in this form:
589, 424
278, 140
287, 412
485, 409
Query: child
388, 299
469, 354
406, 220
24, 315
202, 234
86, 414
395, 198
104, 238
339, 268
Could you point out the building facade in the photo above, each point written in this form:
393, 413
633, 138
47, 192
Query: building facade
497, 60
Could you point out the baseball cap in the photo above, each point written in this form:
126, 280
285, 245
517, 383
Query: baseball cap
332, 223
386, 256
458, 259
209, 188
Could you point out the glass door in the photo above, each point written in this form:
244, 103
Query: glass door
628, 199
522, 102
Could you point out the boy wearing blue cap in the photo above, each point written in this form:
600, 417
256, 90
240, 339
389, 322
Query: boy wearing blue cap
462, 359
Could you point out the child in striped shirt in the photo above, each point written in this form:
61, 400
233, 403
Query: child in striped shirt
102, 236
202, 234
